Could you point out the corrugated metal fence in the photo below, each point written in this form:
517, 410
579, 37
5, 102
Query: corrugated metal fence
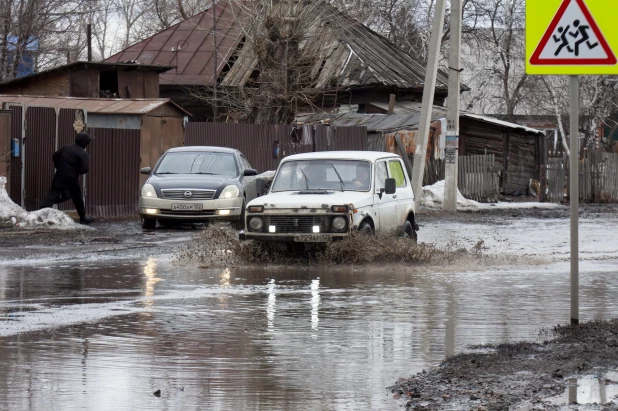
111, 186
259, 142
16, 162
113, 179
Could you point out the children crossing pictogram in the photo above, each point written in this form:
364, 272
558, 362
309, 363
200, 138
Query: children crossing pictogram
573, 38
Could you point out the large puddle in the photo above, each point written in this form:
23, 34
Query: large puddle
107, 335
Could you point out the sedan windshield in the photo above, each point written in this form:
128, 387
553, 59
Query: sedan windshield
338, 175
198, 163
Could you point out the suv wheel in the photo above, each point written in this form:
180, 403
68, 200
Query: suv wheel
409, 232
365, 228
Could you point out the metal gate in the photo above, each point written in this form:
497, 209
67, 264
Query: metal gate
39, 145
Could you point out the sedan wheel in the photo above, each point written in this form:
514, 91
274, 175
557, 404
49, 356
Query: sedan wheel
149, 223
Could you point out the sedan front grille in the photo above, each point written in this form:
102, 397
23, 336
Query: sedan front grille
297, 223
189, 213
183, 194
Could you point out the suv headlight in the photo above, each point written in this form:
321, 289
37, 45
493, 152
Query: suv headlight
229, 192
256, 223
149, 191
339, 224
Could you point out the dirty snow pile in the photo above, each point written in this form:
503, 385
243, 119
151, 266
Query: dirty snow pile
433, 197
13, 215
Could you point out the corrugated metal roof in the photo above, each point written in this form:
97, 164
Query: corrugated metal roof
493, 120
373, 122
411, 107
407, 116
189, 45
348, 53
98, 105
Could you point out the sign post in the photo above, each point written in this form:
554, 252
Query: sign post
572, 37
574, 198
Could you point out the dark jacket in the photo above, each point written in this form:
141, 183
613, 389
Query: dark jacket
71, 161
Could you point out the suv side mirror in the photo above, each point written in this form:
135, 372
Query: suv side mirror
146, 170
250, 172
260, 187
390, 186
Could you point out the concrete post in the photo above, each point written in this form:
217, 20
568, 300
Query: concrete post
427, 104
452, 116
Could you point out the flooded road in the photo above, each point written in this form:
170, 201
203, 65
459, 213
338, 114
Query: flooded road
108, 334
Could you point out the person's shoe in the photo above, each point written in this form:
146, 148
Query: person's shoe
86, 220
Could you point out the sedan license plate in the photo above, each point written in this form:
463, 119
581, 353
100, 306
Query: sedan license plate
313, 238
186, 207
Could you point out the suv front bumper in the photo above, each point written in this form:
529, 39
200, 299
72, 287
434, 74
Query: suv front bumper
211, 209
287, 237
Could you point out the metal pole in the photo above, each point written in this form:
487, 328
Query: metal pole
89, 39
214, 76
427, 104
452, 117
574, 198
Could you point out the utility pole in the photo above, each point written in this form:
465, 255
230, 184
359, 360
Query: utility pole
452, 117
427, 104
214, 76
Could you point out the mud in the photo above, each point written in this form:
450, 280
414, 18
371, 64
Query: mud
218, 246
105, 239
519, 376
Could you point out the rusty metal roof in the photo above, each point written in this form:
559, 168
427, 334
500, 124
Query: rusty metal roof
95, 105
189, 46
349, 54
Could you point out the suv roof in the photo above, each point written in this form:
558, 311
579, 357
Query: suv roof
342, 155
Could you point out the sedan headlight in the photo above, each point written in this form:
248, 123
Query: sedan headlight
230, 192
339, 224
256, 223
149, 191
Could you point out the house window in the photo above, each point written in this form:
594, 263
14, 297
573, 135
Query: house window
108, 84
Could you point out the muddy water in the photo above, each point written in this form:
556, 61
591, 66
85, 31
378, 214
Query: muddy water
107, 335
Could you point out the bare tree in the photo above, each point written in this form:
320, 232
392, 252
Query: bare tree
131, 11
281, 45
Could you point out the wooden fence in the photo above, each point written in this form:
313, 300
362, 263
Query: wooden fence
478, 178
434, 171
598, 178
556, 179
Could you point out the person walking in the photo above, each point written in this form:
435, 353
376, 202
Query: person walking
70, 162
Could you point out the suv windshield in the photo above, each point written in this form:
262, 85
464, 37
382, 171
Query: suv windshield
198, 163
339, 175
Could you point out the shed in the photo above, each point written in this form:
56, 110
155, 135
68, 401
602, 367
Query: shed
520, 150
128, 135
90, 79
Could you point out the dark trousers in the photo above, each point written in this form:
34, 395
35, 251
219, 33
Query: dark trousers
58, 195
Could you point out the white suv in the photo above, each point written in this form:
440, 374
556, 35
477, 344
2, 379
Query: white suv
325, 196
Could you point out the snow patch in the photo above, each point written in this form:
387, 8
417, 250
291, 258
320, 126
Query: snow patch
433, 197
13, 215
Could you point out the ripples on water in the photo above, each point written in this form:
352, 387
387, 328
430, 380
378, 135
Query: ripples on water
107, 335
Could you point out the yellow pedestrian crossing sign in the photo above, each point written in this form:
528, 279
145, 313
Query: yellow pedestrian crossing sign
571, 37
